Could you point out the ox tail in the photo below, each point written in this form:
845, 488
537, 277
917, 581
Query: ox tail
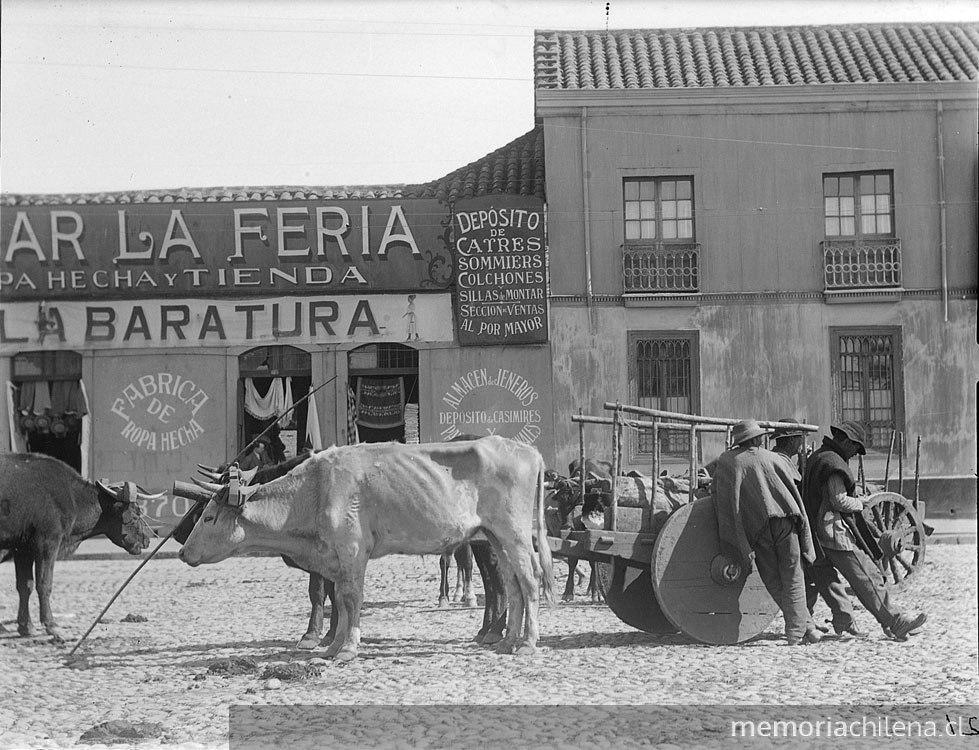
543, 550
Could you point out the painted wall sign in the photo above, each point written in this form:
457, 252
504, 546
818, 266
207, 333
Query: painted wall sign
155, 419
214, 322
157, 411
502, 391
501, 270
206, 249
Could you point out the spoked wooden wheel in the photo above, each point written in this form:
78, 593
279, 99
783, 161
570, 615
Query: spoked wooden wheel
628, 591
900, 534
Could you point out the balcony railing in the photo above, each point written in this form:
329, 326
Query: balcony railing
862, 264
661, 268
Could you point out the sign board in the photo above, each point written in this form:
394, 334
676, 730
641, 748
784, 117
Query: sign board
129, 324
155, 419
492, 391
225, 249
501, 273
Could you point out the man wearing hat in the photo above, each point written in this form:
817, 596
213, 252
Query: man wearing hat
760, 519
259, 456
840, 531
821, 577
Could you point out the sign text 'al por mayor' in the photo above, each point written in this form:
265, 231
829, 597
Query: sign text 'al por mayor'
501, 270
246, 248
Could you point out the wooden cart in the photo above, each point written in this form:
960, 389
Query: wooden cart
669, 574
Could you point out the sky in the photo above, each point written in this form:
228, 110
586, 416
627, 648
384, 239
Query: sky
157, 94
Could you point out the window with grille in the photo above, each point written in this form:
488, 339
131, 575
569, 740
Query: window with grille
665, 374
868, 378
859, 204
658, 209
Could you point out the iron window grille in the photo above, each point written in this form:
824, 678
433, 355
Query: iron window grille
860, 249
660, 253
869, 383
665, 375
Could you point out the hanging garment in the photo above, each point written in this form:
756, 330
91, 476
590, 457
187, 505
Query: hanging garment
314, 440
287, 404
273, 403
42, 397
353, 435
380, 402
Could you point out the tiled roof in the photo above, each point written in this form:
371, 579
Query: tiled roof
517, 169
763, 56
209, 195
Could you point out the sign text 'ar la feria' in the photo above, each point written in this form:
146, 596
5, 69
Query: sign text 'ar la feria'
190, 249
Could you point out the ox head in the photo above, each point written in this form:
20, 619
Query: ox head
122, 517
217, 529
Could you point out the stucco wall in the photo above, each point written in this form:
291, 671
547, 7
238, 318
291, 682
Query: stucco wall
758, 189
772, 361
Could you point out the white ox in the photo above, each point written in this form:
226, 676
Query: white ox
346, 505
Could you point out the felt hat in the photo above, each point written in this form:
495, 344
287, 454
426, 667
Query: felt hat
745, 430
853, 430
784, 432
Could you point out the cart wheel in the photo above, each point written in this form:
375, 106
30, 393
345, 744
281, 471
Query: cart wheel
702, 592
628, 591
900, 533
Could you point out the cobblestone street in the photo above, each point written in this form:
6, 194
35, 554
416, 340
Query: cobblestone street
413, 653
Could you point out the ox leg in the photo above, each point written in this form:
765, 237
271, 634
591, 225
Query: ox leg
515, 604
444, 581
527, 573
568, 595
319, 589
24, 570
596, 595
464, 565
44, 570
495, 603
350, 597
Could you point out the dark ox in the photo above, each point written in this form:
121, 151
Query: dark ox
346, 505
46, 510
566, 499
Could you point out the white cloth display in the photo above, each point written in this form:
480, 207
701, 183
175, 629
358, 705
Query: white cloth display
314, 440
276, 402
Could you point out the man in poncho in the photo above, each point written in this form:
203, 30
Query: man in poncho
761, 521
842, 534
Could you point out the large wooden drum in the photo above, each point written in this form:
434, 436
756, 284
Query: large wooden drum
702, 592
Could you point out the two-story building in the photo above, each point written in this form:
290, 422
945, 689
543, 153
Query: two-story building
768, 222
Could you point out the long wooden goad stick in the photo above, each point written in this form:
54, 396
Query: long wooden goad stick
169, 536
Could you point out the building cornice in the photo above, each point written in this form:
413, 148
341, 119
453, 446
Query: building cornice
846, 97
756, 298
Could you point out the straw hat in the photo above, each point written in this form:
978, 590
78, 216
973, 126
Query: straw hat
853, 430
745, 430
784, 432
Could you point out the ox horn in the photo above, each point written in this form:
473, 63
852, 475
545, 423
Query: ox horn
142, 496
209, 486
214, 476
191, 492
247, 475
209, 469
104, 486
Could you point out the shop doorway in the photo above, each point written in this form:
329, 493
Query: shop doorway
271, 379
47, 405
382, 394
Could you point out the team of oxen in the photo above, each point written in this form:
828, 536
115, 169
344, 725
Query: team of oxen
327, 513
